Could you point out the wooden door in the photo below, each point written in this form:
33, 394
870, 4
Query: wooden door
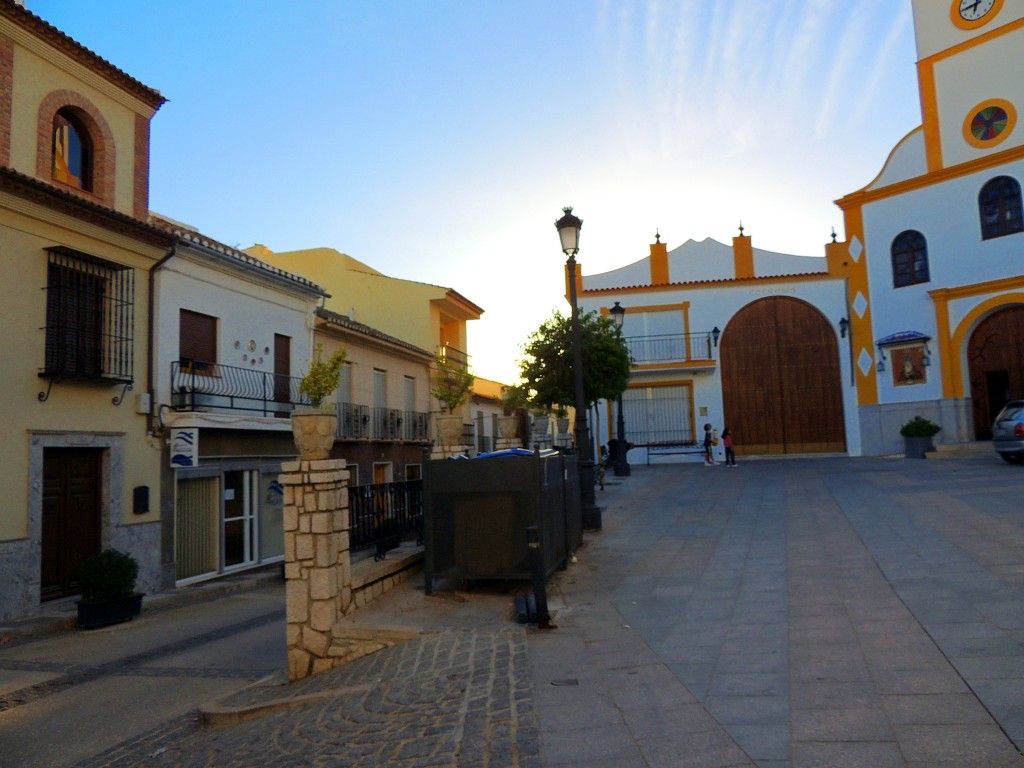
71, 524
781, 379
996, 369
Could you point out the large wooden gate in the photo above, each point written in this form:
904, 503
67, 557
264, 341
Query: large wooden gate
71, 517
996, 368
781, 379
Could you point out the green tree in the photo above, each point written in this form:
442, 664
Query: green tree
547, 371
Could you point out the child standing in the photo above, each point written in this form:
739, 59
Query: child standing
709, 459
730, 456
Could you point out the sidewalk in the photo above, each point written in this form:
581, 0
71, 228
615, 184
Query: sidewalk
785, 614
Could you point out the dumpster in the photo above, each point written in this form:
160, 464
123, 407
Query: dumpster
475, 515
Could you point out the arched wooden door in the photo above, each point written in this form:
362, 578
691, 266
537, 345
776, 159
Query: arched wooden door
781, 388
995, 367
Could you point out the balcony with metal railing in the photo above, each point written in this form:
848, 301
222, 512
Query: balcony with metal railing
208, 387
197, 385
693, 351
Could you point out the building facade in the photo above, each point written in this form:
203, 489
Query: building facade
81, 464
919, 312
232, 336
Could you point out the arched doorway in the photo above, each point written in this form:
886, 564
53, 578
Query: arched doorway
995, 368
781, 379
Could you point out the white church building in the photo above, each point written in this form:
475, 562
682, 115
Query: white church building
919, 312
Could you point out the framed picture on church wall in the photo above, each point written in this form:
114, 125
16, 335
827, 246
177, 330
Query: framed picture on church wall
908, 365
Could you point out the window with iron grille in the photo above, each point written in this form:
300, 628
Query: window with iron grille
90, 319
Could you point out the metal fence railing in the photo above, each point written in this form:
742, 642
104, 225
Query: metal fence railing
670, 348
384, 514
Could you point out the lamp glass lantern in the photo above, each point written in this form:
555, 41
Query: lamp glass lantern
569, 231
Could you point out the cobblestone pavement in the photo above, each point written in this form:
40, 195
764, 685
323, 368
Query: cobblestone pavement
458, 698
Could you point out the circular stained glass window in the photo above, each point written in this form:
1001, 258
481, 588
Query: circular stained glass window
989, 123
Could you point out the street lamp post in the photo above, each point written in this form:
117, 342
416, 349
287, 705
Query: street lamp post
569, 233
618, 314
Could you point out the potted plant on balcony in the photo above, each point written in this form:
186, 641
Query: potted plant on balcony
314, 427
107, 584
452, 384
917, 437
514, 399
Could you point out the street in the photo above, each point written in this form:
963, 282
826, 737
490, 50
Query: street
783, 614
70, 696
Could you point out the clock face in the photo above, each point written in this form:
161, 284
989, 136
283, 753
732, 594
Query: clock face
974, 10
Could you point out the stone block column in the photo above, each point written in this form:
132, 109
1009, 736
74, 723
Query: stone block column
317, 566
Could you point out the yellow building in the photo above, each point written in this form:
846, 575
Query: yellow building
427, 316
80, 470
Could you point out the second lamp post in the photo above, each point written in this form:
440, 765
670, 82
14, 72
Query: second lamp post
618, 314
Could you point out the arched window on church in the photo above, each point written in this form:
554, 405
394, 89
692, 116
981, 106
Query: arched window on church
909, 259
999, 206
72, 151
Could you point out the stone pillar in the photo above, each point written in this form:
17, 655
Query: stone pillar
316, 551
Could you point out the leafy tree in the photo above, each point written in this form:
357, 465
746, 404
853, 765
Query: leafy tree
547, 367
451, 382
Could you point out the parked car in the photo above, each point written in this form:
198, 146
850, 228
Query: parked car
1008, 432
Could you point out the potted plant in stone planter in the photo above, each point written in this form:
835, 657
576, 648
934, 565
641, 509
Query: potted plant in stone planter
514, 399
452, 384
107, 584
314, 427
917, 436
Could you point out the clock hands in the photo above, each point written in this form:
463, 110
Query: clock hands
969, 7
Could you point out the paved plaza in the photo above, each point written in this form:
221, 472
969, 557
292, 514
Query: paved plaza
789, 613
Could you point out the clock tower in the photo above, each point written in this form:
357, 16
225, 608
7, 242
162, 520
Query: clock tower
970, 56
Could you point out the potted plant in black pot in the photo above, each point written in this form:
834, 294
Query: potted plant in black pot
917, 436
107, 584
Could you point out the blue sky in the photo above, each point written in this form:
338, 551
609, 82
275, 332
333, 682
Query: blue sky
438, 140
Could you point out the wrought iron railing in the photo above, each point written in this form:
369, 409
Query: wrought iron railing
416, 427
198, 384
670, 348
353, 421
385, 514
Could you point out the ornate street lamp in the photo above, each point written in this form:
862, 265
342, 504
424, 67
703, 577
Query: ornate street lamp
569, 233
618, 314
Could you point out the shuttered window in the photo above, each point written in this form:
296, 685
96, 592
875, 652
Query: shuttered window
197, 341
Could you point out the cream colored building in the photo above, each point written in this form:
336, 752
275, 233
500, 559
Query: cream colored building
429, 317
79, 464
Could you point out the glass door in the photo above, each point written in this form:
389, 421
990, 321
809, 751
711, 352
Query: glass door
239, 519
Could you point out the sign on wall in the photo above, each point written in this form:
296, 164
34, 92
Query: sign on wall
184, 447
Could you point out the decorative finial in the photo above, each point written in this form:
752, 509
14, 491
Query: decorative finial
657, 236
833, 234
741, 227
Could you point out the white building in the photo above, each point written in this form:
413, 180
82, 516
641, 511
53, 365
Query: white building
919, 312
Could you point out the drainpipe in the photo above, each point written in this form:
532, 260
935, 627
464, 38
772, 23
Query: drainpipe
151, 357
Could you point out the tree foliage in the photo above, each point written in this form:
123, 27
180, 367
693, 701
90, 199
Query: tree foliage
451, 382
547, 368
